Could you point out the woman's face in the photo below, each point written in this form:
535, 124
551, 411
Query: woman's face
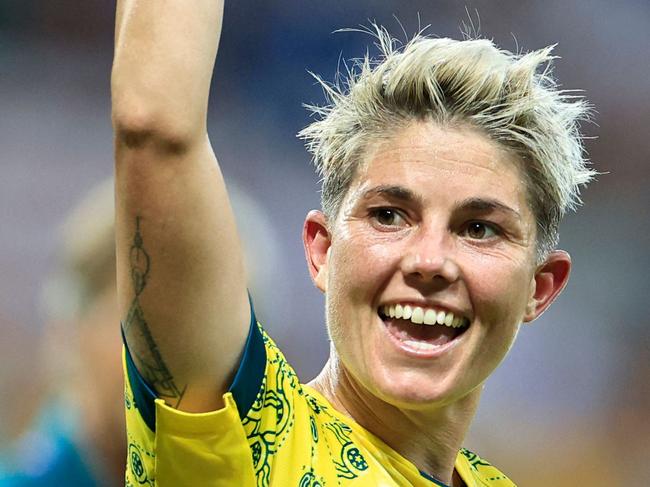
435, 224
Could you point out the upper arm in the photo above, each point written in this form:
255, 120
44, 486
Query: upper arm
181, 280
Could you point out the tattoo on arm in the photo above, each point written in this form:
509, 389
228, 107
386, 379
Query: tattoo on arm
148, 358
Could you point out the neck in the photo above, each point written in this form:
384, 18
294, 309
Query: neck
429, 437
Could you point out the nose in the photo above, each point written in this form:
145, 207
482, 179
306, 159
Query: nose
431, 258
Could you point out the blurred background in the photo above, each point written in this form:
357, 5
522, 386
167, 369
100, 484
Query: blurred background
568, 407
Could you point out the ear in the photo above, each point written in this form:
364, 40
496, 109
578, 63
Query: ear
550, 279
317, 239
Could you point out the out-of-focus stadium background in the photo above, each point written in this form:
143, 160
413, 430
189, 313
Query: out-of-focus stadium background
570, 404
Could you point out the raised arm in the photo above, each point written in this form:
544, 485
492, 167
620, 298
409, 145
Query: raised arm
181, 280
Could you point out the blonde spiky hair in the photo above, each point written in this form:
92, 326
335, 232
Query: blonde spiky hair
450, 82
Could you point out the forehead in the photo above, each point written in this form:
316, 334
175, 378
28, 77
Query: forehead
443, 163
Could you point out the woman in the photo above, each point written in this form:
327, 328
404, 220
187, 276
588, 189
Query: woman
446, 168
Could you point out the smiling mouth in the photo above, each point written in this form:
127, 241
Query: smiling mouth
422, 329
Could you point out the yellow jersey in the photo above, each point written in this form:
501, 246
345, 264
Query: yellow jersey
272, 432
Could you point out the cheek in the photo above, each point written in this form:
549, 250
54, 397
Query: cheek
359, 266
499, 292
357, 274
499, 304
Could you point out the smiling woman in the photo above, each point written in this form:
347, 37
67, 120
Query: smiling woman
453, 211
446, 167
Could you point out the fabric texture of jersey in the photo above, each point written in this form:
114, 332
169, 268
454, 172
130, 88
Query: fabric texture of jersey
273, 431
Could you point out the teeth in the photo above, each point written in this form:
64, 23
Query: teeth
419, 315
430, 317
399, 311
407, 312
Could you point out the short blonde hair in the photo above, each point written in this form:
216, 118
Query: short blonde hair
471, 82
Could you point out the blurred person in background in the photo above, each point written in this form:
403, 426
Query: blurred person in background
446, 167
78, 436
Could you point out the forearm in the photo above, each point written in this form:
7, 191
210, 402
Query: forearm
181, 280
164, 57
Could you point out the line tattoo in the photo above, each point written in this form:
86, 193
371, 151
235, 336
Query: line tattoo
149, 360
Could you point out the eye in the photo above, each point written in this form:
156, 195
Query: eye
388, 217
481, 230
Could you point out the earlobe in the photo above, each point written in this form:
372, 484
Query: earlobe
550, 279
316, 240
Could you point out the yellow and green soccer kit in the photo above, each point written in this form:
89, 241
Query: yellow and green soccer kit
273, 431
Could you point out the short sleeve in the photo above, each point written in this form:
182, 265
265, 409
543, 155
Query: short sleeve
168, 447
245, 386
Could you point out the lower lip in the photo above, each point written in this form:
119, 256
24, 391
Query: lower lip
419, 353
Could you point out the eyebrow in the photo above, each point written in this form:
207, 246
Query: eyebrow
393, 192
485, 205
482, 205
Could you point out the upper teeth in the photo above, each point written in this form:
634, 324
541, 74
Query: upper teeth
426, 316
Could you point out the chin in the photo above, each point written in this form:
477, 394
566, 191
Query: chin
414, 389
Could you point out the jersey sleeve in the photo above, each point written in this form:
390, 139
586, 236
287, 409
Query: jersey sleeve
170, 447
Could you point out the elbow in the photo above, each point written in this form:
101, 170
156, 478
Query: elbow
137, 128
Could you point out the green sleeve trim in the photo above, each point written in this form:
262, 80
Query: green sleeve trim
250, 375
